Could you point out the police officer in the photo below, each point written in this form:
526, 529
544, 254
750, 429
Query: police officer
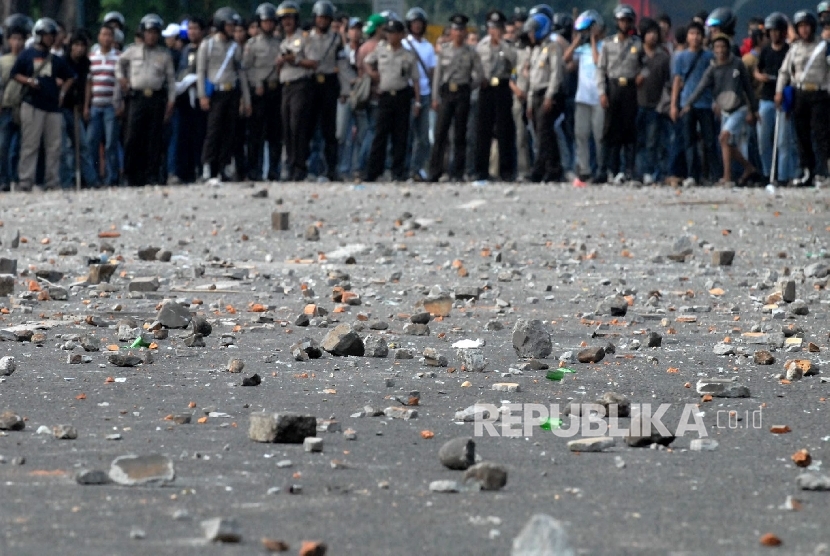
545, 98
296, 68
519, 86
192, 120
146, 74
806, 67
330, 82
457, 72
395, 69
260, 61
218, 71
495, 102
620, 61
115, 20
823, 10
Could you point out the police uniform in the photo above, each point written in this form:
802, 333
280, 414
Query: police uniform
495, 103
226, 78
398, 70
260, 60
296, 106
620, 61
521, 79
811, 103
192, 121
458, 71
152, 86
545, 82
330, 82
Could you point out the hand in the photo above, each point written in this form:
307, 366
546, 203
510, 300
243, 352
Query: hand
245, 110
779, 100
639, 80
168, 112
204, 103
124, 84
673, 113
751, 117
416, 110
34, 83
685, 110
547, 105
521, 95
435, 106
343, 99
603, 101
259, 91
529, 112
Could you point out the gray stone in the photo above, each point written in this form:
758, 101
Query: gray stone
471, 359
11, 422
404, 353
375, 346
505, 387
7, 365
305, 349
174, 315
591, 355
194, 341
494, 326
401, 413
286, 428
92, 477
412, 329
434, 359
343, 341
65, 432
220, 529
654, 340
681, 248
645, 441
703, 445
817, 270
420, 318
378, 325
280, 221
799, 308
542, 536
439, 305
67, 251
723, 258
593, 444
302, 320
467, 292
813, 481
444, 486
199, 325
763, 357
615, 306
6, 285
313, 444
235, 365
473, 413
8, 266
458, 453
787, 288
90, 343
488, 476
615, 403
722, 348
143, 284
123, 360
722, 388
132, 470
164, 256
100, 273
312, 233
531, 339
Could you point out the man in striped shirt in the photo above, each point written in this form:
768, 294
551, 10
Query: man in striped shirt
103, 105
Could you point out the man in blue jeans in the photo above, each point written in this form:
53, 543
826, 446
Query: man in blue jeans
689, 67
73, 109
103, 106
9, 128
418, 151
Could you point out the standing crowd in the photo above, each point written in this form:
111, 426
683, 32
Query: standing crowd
541, 97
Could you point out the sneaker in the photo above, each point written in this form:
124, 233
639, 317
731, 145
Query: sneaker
480, 183
579, 182
805, 179
648, 179
689, 182
620, 179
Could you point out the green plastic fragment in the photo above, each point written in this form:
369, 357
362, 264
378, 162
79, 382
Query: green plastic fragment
550, 424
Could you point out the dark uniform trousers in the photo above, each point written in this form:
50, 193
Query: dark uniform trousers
326, 95
454, 110
495, 119
620, 126
265, 124
193, 127
547, 166
392, 122
296, 104
221, 130
810, 117
143, 145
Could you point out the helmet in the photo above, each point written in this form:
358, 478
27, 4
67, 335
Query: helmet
288, 8
563, 24
588, 19
225, 15
823, 7
723, 19
805, 16
541, 9
183, 29
624, 11
118, 36
537, 26
776, 20
44, 26
115, 17
18, 23
389, 15
374, 23
266, 11
323, 8
151, 21
416, 14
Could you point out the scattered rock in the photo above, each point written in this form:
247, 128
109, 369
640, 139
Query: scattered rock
174, 315
437, 306
703, 445
148, 284
253, 380
132, 470
11, 422
434, 359
531, 339
594, 444
445, 486
420, 318
489, 476
124, 360
542, 536
236, 365
312, 233
412, 329
220, 529
591, 355
306, 349
375, 346
458, 453
287, 428
615, 306
7, 365
343, 341
92, 477
722, 388
763, 357
65, 432
722, 258
813, 481
313, 444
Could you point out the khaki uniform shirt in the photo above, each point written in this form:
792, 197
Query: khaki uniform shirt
209, 60
546, 70
327, 49
260, 60
792, 70
619, 59
456, 66
296, 44
397, 68
148, 69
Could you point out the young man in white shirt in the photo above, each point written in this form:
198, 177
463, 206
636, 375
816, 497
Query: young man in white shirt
103, 105
418, 151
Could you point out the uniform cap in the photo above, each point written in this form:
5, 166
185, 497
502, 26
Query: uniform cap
459, 21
